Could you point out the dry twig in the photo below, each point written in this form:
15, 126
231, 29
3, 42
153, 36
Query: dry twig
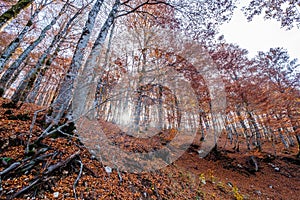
78, 177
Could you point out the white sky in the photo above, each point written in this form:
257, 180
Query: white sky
260, 35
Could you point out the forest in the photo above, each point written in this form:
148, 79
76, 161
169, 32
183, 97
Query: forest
145, 99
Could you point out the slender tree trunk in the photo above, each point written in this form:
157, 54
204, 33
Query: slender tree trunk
84, 99
160, 107
18, 71
298, 140
244, 127
62, 101
101, 87
11, 48
138, 110
257, 133
32, 95
11, 13
138, 105
52, 91
9, 72
263, 126
178, 114
283, 140
295, 125
228, 129
85, 94
32, 73
201, 127
236, 141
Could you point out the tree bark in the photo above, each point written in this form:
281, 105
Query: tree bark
85, 93
244, 127
298, 140
24, 83
33, 93
62, 101
11, 48
257, 132
9, 72
11, 13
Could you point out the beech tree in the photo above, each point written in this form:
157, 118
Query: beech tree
261, 92
142, 65
11, 69
64, 96
286, 12
281, 73
30, 76
129, 7
246, 115
11, 48
85, 100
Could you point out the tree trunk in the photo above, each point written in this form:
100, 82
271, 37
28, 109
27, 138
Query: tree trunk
101, 86
10, 14
84, 99
160, 107
283, 140
138, 105
32, 95
236, 141
9, 72
244, 127
11, 48
62, 101
138, 110
257, 133
22, 86
295, 125
298, 140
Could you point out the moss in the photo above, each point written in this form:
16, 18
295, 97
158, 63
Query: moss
1, 92
48, 63
14, 10
29, 23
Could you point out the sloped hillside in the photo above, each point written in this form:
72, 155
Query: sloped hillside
60, 167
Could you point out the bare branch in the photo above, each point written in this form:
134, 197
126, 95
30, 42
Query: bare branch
26, 188
78, 177
10, 168
53, 167
143, 4
31, 128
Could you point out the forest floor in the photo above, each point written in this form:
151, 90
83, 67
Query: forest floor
53, 170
